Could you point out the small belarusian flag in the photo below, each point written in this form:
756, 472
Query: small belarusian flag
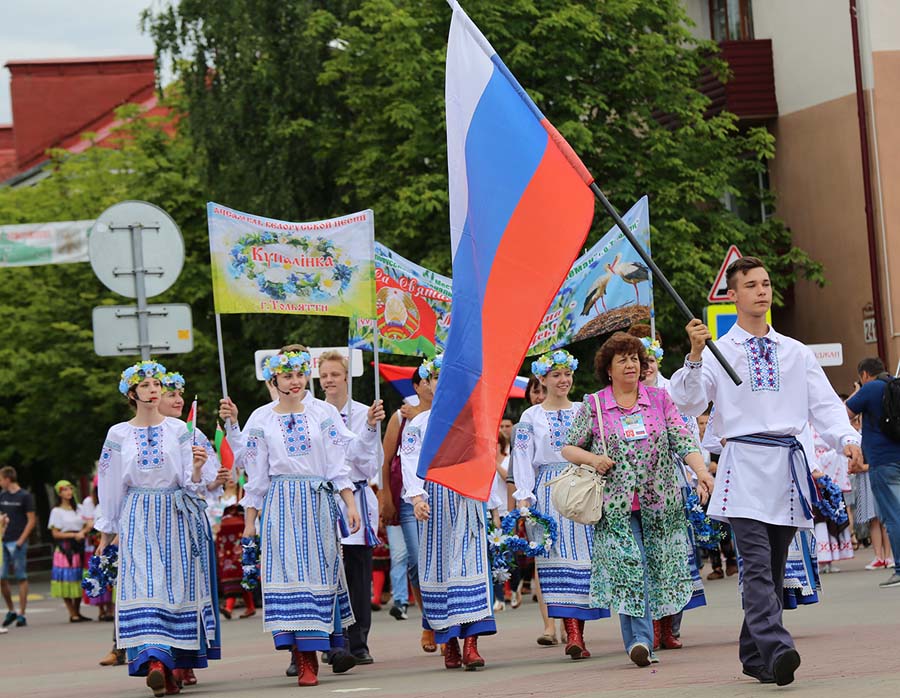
192, 419
223, 448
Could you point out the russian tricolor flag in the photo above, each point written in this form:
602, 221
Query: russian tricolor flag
520, 209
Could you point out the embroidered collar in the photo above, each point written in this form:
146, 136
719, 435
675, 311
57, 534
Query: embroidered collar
608, 400
739, 335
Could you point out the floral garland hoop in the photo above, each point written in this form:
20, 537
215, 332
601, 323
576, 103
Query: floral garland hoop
320, 284
707, 534
503, 560
831, 502
250, 563
531, 548
102, 572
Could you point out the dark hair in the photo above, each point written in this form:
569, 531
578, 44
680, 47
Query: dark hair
503, 442
533, 382
8, 471
872, 365
619, 343
641, 330
742, 265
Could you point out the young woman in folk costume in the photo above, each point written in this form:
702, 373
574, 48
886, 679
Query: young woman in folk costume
453, 556
295, 455
565, 574
151, 484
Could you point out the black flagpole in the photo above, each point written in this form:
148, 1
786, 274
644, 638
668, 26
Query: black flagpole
661, 278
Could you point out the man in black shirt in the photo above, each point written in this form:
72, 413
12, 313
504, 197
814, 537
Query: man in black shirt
18, 507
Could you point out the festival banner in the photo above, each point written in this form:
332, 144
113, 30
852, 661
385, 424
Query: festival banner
33, 244
264, 265
412, 308
607, 289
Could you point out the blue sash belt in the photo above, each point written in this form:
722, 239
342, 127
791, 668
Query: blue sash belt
371, 534
797, 454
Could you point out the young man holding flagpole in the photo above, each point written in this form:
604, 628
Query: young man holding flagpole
764, 486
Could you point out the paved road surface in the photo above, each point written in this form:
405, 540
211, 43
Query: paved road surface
849, 645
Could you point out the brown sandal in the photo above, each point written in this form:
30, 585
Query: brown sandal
428, 641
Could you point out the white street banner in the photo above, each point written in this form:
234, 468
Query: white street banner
33, 244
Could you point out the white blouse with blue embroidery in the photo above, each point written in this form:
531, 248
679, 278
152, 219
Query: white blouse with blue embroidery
537, 440
310, 443
410, 449
783, 391
154, 457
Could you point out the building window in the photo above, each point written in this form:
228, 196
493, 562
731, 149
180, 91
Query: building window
731, 20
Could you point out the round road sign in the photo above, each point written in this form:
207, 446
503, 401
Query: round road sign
112, 253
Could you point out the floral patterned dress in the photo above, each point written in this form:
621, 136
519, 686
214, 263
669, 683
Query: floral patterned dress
643, 467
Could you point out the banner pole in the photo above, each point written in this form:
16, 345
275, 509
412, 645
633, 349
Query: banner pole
222, 365
349, 377
667, 287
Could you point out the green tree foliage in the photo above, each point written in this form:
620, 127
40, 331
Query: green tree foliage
353, 92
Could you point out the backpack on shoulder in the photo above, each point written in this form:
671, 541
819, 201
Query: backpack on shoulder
890, 406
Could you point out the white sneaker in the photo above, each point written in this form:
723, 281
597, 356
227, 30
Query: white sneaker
889, 563
498, 606
876, 564
3, 631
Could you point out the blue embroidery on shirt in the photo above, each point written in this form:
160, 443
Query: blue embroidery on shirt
295, 433
524, 435
762, 362
560, 421
150, 448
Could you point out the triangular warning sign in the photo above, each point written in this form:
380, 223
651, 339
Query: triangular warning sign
719, 291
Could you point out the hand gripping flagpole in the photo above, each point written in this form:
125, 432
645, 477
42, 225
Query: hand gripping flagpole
660, 277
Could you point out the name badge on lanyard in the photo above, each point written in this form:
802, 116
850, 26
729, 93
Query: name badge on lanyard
633, 427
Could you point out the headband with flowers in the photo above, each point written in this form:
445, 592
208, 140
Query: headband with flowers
653, 348
172, 382
431, 367
552, 361
135, 374
286, 363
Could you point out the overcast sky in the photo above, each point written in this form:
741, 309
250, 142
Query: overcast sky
68, 29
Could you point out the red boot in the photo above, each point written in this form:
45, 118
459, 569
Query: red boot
156, 678
657, 634
189, 678
575, 640
667, 640
471, 659
307, 668
173, 684
452, 657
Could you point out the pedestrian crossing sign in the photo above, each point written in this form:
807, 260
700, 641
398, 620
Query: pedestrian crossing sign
721, 318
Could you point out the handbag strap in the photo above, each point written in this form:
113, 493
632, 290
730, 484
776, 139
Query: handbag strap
598, 415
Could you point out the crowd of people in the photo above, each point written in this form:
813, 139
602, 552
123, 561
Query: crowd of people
690, 458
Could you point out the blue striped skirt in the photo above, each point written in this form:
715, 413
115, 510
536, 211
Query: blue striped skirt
166, 580
454, 569
801, 572
565, 575
302, 575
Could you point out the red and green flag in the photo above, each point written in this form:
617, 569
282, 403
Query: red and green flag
191, 420
223, 448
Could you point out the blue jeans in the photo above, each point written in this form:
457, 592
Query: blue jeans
410, 527
399, 561
14, 562
636, 630
885, 481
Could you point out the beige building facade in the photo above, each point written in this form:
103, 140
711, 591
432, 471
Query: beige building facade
817, 173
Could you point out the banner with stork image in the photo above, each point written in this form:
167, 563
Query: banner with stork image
607, 289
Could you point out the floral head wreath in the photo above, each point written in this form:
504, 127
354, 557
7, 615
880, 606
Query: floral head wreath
653, 348
552, 361
172, 382
431, 367
135, 374
286, 363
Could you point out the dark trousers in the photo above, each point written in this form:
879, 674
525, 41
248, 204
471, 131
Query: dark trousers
358, 567
764, 550
726, 550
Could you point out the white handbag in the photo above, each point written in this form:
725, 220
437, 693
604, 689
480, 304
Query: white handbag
577, 492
